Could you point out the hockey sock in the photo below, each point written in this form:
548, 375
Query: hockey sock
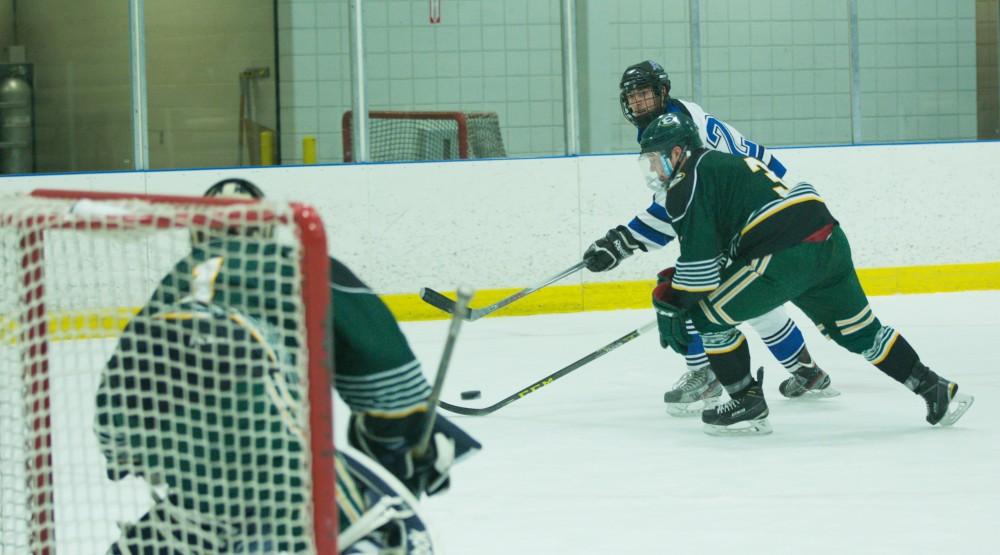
785, 343
894, 355
729, 356
695, 357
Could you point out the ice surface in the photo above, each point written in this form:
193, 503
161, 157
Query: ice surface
593, 464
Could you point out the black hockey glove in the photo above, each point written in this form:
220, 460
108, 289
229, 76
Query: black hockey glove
670, 319
390, 441
608, 251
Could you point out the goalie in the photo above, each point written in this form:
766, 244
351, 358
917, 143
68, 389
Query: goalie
200, 400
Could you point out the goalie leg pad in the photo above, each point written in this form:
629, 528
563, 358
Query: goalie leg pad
391, 521
169, 529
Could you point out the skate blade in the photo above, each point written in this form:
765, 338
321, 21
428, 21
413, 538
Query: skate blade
749, 428
819, 393
691, 409
956, 408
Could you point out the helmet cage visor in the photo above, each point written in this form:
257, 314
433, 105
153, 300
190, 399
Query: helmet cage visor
641, 101
655, 169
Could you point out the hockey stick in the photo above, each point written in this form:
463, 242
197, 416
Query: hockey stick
461, 308
440, 302
469, 411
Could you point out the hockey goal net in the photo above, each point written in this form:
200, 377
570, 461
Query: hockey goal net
163, 376
407, 136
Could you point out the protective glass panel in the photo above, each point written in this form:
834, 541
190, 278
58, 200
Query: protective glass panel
65, 92
211, 83
918, 69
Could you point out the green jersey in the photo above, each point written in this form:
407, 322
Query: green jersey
233, 303
203, 393
376, 370
729, 208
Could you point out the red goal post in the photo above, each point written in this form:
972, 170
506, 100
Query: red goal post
60, 268
426, 135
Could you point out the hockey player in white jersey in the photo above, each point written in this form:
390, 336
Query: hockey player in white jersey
644, 96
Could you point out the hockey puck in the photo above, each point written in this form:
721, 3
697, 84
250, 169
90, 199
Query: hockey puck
471, 394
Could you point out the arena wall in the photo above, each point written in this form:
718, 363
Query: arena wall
921, 218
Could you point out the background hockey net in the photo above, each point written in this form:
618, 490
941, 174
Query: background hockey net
404, 136
69, 283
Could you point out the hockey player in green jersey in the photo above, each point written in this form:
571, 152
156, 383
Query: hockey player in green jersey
748, 244
214, 342
645, 95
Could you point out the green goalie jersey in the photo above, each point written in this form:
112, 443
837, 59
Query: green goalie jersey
202, 393
729, 208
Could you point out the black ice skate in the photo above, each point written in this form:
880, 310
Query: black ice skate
808, 381
697, 390
945, 405
744, 414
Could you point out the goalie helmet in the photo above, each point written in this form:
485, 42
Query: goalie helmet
235, 188
645, 75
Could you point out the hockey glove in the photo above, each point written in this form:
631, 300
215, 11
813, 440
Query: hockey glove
391, 441
670, 319
608, 251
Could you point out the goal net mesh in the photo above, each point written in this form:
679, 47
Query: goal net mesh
413, 136
155, 378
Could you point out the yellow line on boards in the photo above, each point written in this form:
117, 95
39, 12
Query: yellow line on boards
948, 278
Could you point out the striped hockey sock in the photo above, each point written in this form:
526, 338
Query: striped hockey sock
786, 344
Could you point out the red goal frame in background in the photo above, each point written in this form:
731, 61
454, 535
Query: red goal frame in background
347, 127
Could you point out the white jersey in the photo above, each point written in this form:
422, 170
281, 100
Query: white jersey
652, 226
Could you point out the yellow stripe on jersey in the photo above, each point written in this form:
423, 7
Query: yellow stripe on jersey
888, 348
708, 312
186, 315
734, 286
864, 311
702, 289
349, 498
760, 265
778, 208
859, 326
727, 349
420, 407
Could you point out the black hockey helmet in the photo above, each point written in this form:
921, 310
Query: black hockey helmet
658, 141
640, 76
236, 188
670, 130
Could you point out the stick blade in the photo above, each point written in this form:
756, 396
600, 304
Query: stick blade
444, 304
437, 300
467, 411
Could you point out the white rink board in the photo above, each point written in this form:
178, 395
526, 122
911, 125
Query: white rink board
507, 223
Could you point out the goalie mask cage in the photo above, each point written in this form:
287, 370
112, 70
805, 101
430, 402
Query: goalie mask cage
411, 136
210, 448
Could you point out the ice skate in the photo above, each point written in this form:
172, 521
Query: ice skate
697, 390
744, 414
945, 405
808, 382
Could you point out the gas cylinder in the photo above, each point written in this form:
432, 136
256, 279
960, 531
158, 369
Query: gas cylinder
16, 142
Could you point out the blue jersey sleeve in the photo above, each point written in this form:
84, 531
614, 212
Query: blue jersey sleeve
652, 226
